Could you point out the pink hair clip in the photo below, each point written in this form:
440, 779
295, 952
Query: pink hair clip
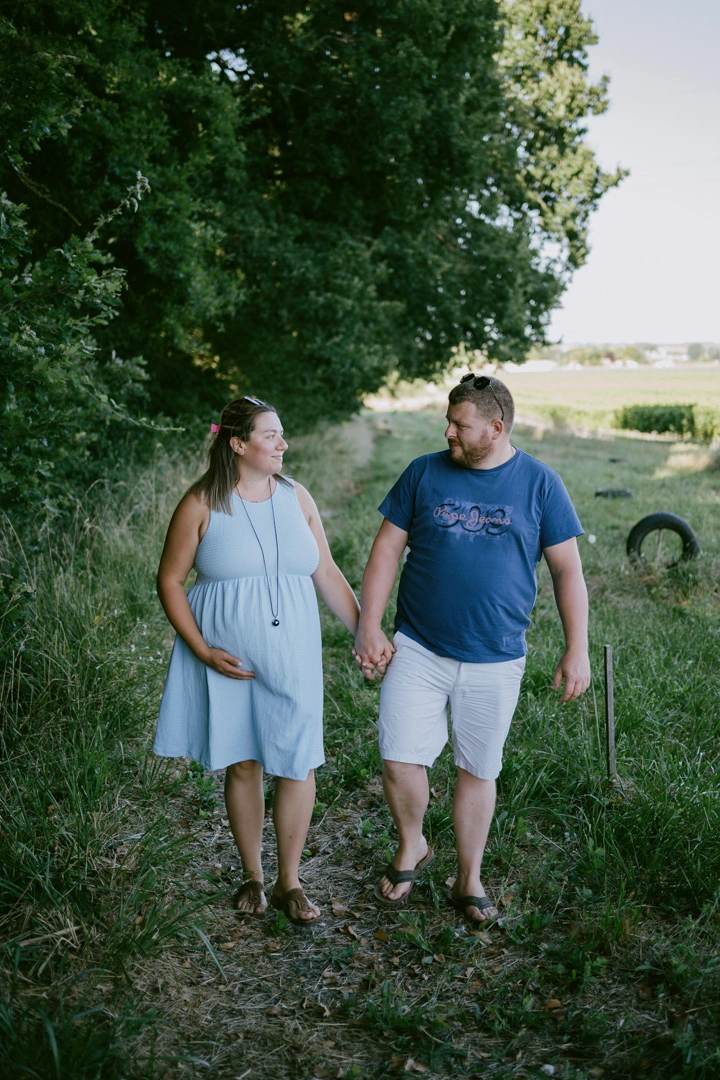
214, 428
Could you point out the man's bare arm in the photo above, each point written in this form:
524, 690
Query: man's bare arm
372, 648
572, 603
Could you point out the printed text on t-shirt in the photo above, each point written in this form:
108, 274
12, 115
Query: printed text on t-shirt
473, 518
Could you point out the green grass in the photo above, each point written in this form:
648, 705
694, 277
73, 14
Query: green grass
610, 861
85, 844
610, 897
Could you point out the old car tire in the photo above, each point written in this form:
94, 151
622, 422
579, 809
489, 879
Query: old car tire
656, 522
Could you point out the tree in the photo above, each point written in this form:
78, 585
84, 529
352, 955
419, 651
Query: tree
57, 398
408, 178
335, 194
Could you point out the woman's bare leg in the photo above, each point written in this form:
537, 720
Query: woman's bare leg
245, 804
292, 811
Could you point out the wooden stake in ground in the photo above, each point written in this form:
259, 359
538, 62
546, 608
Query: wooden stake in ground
610, 716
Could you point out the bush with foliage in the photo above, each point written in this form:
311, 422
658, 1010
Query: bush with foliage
58, 399
698, 421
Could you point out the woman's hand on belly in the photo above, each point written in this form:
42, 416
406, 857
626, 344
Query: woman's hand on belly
226, 664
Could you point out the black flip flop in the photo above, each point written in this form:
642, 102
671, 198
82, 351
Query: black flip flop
397, 876
482, 903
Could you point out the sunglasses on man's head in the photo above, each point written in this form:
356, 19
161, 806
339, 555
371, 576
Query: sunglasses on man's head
481, 382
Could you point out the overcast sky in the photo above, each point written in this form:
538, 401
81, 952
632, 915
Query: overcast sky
653, 273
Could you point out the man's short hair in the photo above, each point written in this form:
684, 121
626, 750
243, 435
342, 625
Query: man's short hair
484, 402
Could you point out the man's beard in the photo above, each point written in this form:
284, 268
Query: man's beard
471, 456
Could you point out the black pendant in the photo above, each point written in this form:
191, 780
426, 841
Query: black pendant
276, 622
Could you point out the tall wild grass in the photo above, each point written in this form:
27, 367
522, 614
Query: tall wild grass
84, 841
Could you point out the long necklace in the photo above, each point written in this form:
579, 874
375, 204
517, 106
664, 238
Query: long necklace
275, 610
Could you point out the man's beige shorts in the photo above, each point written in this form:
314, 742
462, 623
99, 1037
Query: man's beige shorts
416, 691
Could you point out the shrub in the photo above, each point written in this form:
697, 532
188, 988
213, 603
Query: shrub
64, 405
696, 420
707, 423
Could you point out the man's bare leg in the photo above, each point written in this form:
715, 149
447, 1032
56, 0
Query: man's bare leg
407, 794
473, 809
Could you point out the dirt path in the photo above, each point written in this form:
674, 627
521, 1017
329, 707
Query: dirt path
371, 993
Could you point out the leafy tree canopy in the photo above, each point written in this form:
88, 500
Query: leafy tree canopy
336, 194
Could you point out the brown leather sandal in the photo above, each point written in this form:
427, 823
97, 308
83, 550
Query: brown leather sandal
282, 902
256, 892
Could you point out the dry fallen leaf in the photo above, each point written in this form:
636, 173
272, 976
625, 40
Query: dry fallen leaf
339, 909
415, 1066
330, 978
274, 1010
350, 931
380, 935
226, 946
553, 1003
596, 1072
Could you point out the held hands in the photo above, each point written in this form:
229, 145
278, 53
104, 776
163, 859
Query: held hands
373, 652
225, 664
574, 670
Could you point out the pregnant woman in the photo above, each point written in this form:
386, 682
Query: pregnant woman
244, 687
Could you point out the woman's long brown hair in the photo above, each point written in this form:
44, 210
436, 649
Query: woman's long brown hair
216, 485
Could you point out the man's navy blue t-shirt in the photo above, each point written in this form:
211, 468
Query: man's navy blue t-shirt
475, 538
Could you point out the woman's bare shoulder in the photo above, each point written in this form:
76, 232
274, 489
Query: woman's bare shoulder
193, 507
304, 498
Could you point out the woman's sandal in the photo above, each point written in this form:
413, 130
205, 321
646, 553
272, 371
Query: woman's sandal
282, 902
256, 893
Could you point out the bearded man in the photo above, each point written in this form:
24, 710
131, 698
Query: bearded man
476, 518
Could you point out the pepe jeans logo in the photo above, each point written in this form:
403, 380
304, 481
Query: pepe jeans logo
473, 518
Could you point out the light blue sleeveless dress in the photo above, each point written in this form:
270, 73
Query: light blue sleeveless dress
275, 718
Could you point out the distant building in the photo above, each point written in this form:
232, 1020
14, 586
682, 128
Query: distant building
667, 355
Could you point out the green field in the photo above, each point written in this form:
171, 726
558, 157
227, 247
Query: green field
584, 399
600, 391
121, 957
